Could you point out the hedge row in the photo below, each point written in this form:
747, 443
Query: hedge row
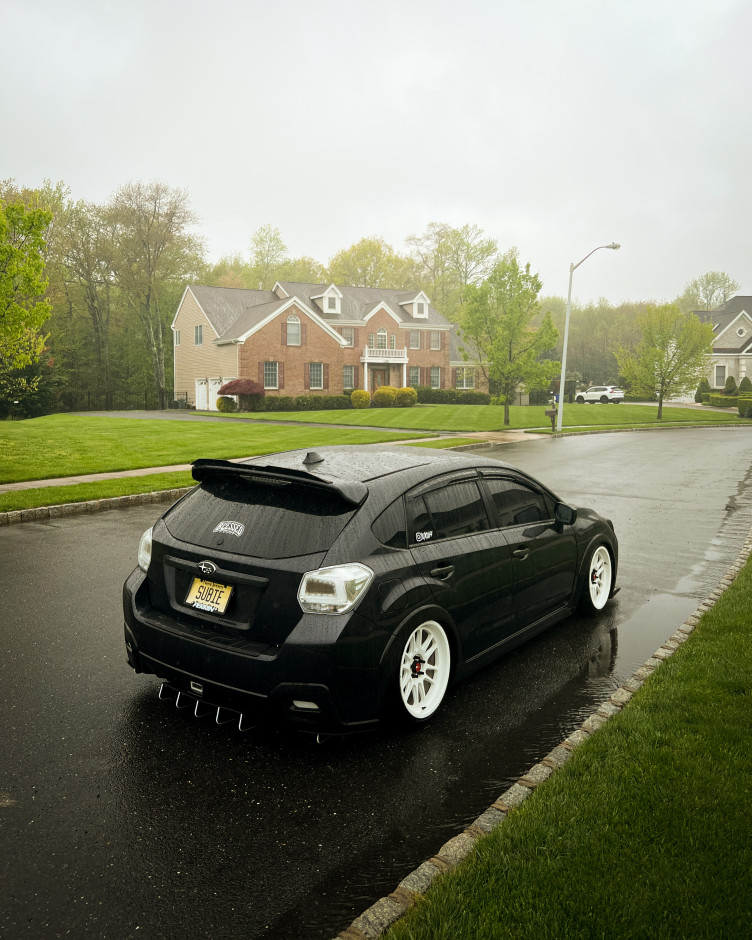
286, 403
745, 407
723, 401
451, 396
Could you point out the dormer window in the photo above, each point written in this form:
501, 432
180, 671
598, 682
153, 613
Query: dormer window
420, 310
331, 304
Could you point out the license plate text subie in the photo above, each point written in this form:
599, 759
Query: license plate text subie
209, 596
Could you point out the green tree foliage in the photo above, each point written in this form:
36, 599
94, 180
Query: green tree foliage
708, 291
671, 356
451, 259
268, 253
371, 262
154, 254
496, 323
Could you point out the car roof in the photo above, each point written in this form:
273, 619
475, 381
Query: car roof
368, 463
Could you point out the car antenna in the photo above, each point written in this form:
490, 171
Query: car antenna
312, 457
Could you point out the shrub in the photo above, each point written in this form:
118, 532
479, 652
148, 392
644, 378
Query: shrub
723, 401
745, 407
384, 397
406, 398
730, 387
225, 403
702, 389
321, 403
451, 396
360, 398
498, 400
745, 388
706, 398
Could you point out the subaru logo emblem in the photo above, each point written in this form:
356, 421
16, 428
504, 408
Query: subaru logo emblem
207, 567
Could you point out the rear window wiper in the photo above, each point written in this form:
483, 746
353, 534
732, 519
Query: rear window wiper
352, 492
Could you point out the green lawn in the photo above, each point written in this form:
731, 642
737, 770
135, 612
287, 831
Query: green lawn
64, 445
491, 418
645, 832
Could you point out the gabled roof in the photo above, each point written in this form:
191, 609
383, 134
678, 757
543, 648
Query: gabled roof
358, 302
223, 306
737, 311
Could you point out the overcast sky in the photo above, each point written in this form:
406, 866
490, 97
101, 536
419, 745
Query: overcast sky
553, 125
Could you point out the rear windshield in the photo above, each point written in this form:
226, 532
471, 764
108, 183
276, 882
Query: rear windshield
277, 520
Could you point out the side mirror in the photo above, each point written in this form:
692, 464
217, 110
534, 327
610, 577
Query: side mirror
565, 514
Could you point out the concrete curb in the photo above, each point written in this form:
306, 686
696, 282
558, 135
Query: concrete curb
45, 513
377, 919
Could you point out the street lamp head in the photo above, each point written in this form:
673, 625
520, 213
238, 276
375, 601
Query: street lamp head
613, 245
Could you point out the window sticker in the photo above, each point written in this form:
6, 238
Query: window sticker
423, 536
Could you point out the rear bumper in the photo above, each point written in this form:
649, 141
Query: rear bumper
308, 684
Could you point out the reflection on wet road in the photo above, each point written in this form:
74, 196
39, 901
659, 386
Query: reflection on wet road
124, 817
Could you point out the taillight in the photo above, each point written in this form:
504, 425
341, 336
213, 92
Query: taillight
333, 590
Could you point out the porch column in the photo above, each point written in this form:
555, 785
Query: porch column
404, 375
365, 376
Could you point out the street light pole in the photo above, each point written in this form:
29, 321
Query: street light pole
572, 268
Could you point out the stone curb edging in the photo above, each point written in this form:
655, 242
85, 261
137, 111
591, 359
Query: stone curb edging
44, 513
377, 919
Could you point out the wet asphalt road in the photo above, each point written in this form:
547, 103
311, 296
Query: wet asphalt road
122, 817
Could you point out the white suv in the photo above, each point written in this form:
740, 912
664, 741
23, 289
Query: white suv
601, 393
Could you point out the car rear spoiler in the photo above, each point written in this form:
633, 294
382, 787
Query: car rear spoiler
352, 492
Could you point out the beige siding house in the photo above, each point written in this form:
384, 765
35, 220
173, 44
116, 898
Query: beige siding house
732, 344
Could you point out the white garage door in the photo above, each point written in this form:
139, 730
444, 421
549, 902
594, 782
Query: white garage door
214, 387
202, 394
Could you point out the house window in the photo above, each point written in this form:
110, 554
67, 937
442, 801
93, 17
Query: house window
392, 341
465, 378
198, 335
271, 371
348, 334
381, 339
420, 310
435, 377
371, 340
720, 376
435, 339
414, 339
331, 303
293, 330
413, 376
741, 332
177, 337
348, 377
316, 374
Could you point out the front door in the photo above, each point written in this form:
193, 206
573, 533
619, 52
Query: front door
380, 377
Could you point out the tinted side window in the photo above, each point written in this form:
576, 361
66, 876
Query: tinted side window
389, 528
448, 512
515, 503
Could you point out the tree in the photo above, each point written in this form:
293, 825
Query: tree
496, 319
672, 355
23, 283
449, 259
154, 254
708, 291
371, 262
268, 252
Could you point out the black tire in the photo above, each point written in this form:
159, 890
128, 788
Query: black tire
580, 400
598, 580
419, 670
604, 399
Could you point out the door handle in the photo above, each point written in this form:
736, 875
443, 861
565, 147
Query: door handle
521, 553
443, 573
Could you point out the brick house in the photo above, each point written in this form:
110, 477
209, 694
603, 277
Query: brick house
732, 343
312, 339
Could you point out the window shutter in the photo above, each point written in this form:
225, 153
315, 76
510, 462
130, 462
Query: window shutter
422, 374
442, 377
261, 374
356, 341
284, 334
454, 378
326, 375
280, 375
307, 375
443, 339
356, 378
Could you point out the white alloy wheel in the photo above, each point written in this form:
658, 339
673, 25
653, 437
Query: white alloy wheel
424, 670
599, 578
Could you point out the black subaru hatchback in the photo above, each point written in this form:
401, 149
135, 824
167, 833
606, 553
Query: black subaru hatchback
334, 588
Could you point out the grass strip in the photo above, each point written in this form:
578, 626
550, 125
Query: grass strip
101, 489
67, 445
645, 832
491, 417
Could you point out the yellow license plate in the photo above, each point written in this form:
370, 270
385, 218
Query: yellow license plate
209, 596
